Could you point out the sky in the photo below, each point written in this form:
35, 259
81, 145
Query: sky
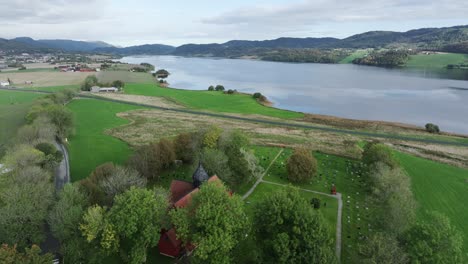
177, 22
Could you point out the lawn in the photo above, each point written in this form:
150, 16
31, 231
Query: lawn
346, 174
213, 101
436, 60
439, 187
13, 107
90, 146
356, 54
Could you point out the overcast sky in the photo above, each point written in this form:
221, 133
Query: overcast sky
178, 22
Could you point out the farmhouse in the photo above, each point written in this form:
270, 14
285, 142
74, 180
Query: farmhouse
4, 83
97, 89
181, 196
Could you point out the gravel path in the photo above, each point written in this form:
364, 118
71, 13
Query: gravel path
62, 172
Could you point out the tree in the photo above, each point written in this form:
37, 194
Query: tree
391, 191
211, 88
41, 130
161, 74
9, 255
383, 249
118, 84
22, 156
431, 128
216, 162
219, 88
119, 181
64, 220
211, 137
315, 203
184, 147
62, 118
52, 155
132, 225
166, 153
67, 212
289, 230
91, 184
214, 221
433, 240
89, 82
377, 152
301, 166
233, 144
24, 210
256, 95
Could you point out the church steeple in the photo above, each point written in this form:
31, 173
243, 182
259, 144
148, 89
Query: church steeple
199, 176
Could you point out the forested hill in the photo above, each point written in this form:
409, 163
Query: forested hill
154, 49
442, 39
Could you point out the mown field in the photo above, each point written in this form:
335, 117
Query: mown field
126, 76
90, 146
13, 108
439, 187
44, 79
356, 54
213, 101
436, 60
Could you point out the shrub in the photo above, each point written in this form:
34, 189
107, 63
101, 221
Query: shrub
315, 203
118, 84
431, 128
231, 91
184, 147
301, 166
211, 88
256, 95
211, 137
219, 88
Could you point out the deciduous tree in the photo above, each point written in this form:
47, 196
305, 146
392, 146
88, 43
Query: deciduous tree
215, 222
289, 230
301, 166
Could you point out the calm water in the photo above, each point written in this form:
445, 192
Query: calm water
415, 97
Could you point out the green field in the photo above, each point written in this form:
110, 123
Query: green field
13, 107
356, 54
439, 187
90, 146
126, 76
213, 101
53, 88
436, 60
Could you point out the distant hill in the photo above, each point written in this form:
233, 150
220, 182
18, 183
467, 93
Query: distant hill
426, 38
149, 49
63, 44
13, 46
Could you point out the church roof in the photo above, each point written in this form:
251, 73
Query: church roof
179, 189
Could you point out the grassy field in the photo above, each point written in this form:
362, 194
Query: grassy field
439, 187
90, 146
13, 107
346, 175
356, 54
213, 101
44, 79
126, 76
53, 88
436, 60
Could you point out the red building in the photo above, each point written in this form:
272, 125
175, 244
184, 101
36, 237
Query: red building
181, 195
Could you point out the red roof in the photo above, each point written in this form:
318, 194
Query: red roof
179, 189
184, 201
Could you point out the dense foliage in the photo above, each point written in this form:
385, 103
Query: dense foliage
215, 222
391, 58
289, 230
301, 166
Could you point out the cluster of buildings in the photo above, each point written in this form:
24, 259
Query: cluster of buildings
77, 68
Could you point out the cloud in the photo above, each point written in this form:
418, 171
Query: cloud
312, 12
50, 11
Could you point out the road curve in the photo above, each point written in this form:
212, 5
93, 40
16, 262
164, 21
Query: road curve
263, 121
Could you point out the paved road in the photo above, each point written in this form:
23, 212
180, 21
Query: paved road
263, 121
62, 172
